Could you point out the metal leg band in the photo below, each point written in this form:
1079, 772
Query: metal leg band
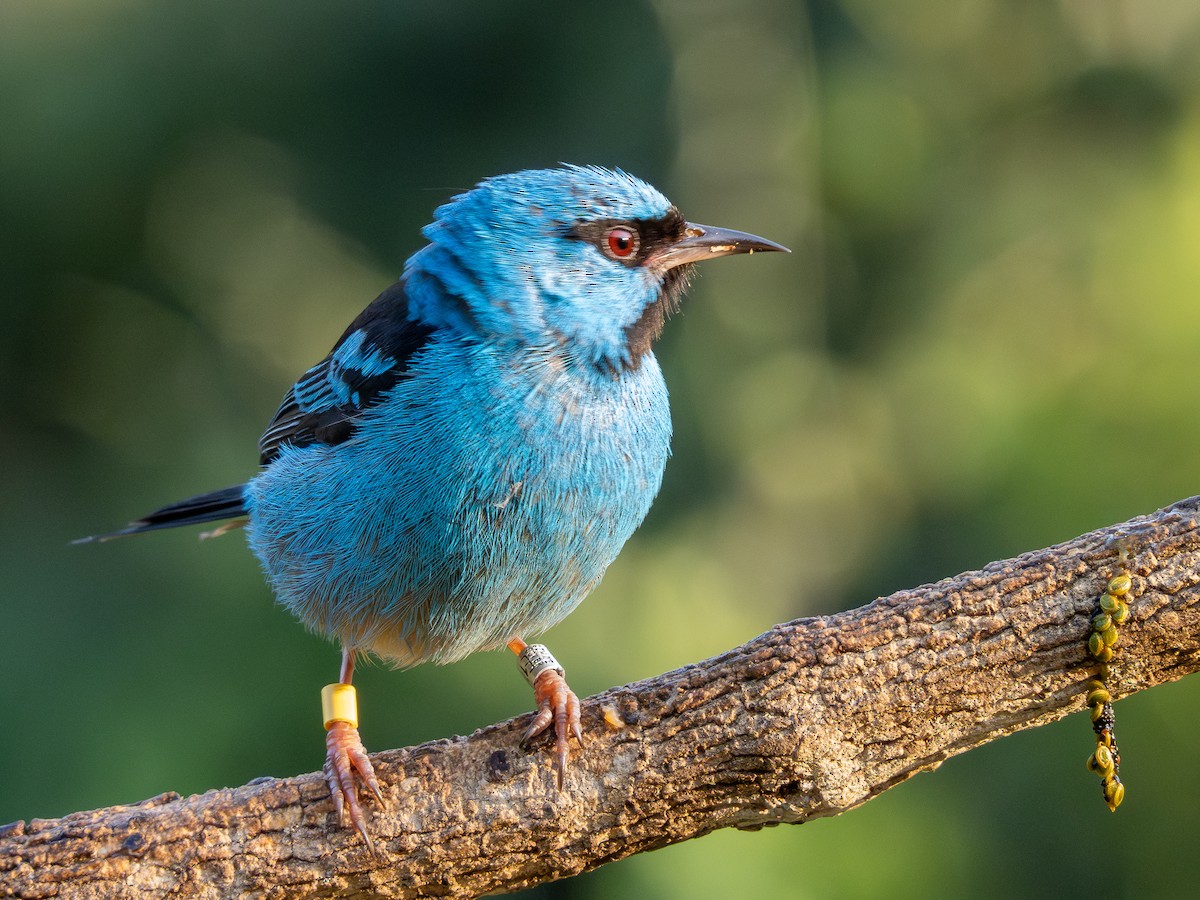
536, 659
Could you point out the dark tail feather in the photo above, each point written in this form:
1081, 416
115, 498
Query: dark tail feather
223, 504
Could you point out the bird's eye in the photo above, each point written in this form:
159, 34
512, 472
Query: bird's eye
622, 242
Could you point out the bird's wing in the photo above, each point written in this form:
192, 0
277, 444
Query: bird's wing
367, 360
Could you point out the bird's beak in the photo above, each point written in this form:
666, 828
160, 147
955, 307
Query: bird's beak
706, 242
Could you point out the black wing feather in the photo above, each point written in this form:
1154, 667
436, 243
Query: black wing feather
371, 356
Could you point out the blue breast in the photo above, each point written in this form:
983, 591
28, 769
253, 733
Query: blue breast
481, 501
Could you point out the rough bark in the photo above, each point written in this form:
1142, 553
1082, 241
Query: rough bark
809, 719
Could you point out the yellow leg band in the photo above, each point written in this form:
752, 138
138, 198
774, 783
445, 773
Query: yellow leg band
339, 703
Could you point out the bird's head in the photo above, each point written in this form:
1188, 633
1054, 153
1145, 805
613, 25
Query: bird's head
589, 259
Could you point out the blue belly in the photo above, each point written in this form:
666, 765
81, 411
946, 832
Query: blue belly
482, 500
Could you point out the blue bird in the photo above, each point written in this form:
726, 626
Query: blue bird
459, 471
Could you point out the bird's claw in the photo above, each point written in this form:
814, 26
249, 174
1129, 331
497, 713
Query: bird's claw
557, 705
346, 764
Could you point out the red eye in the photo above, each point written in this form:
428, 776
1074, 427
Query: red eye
622, 242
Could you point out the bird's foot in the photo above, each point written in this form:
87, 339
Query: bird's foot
557, 705
346, 764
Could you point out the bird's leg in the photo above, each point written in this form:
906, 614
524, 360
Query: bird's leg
556, 702
346, 761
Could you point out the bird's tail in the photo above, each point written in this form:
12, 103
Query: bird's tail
211, 507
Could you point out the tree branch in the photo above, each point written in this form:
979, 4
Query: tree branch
810, 719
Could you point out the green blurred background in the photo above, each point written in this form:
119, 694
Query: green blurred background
985, 342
